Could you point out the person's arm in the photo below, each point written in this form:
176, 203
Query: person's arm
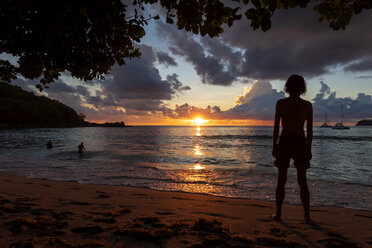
309, 126
276, 127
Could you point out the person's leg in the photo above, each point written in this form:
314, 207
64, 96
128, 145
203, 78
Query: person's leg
280, 191
304, 192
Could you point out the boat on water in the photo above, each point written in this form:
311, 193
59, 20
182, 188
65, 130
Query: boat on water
340, 125
325, 124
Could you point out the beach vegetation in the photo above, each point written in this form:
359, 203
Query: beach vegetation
86, 38
20, 108
25, 109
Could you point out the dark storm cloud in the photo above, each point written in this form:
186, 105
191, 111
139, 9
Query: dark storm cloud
210, 68
296, 43
146, 107
101, 100
136, 88
186, 111
140, 79
27, 85
364, 64
59, 86
82, 90
80, 99
176, 84
228, 56
165, 59
326, 101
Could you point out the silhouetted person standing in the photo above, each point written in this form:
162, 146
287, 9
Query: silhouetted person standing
293, 112
81, 148
49, 144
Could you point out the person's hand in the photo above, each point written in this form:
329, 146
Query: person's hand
275, 150
309, 154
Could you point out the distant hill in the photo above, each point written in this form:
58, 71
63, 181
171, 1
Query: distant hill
19, 108
364, 122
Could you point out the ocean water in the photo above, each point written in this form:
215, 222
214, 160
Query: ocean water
221, 161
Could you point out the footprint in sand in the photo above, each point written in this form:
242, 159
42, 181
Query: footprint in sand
91, 230
362, 215
105, 220
277, 232
333, 242
102, 196
79, 203
164, 213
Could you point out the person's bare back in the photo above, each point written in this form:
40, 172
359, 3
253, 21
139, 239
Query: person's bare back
293, 111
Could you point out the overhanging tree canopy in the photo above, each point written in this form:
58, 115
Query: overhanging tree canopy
87, 37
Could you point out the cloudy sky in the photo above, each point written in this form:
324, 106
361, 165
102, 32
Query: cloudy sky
234, 79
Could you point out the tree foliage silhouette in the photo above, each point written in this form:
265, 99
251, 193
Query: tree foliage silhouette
19, 108
87, 37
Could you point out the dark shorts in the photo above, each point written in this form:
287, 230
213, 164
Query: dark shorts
292, 147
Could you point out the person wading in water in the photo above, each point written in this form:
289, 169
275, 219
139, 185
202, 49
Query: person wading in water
293, 112
81, 147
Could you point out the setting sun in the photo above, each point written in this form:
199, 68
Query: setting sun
199, 121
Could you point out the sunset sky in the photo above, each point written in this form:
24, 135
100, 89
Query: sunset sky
234, 79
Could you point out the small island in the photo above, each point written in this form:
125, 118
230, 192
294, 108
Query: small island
22, 109
364, 122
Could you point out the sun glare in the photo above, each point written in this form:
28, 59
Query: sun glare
197, 167
199, 121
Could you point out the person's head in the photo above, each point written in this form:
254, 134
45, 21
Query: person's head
295, 85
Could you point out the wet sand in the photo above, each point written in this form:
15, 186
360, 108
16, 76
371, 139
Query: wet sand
44, 213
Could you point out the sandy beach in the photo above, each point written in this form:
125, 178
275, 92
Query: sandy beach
44, 213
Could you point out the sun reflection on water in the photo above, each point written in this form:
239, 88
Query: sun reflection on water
197, 167
197, 150
198, 129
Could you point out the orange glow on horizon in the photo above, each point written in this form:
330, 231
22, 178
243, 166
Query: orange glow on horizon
158, 121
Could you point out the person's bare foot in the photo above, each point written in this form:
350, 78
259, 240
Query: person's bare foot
309, 221
276, 217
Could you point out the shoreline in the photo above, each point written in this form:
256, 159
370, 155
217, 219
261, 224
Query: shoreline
43, 212
175, 191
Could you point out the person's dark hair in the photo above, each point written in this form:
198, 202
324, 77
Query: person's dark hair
295, 85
